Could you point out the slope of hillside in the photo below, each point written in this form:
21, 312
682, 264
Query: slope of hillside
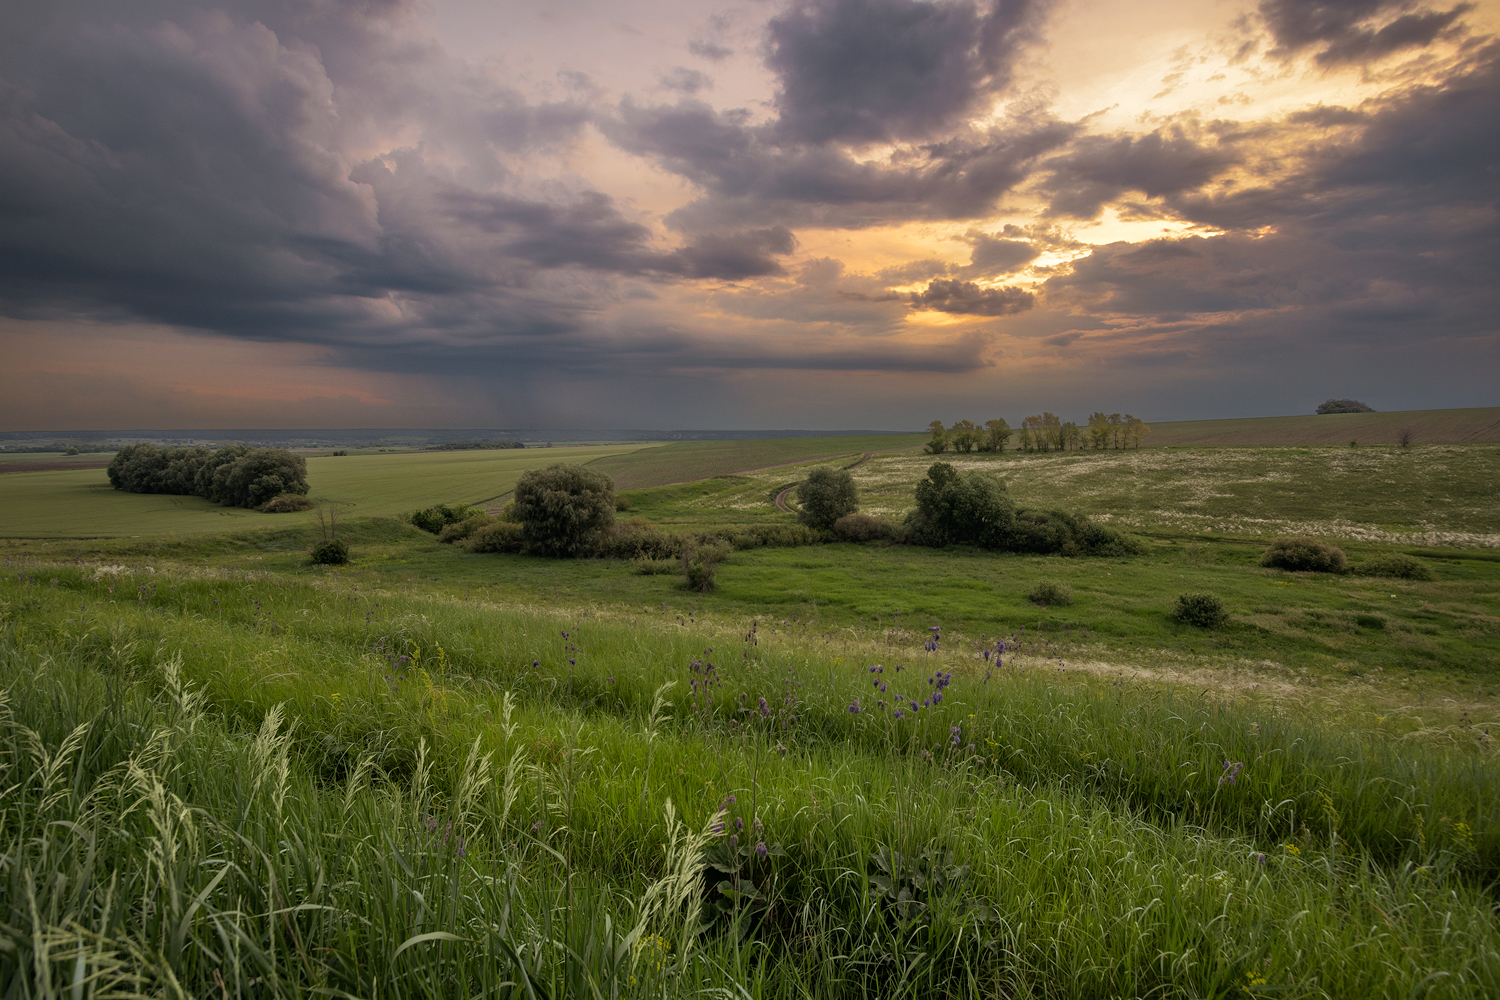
1427, 426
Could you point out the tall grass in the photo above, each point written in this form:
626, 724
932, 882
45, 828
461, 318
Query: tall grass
264, 788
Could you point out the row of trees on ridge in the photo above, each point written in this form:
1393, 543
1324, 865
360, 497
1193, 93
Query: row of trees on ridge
1044, 432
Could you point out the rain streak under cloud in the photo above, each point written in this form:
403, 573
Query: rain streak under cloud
830, 213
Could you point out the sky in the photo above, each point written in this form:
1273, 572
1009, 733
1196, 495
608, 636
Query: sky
742, 214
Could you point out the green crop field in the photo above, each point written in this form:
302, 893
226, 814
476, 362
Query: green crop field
690, 461
1466, 426
846, 771
81, 503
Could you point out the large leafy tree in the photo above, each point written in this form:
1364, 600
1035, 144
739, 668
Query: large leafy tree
825, 496
969, 508
563, 509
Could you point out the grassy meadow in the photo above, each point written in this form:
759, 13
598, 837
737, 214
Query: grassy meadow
847, 771
80, 503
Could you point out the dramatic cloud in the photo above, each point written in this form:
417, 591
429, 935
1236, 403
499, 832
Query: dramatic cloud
1354, 30
1099, 169
952, 296
572, 219
883, 70
749, 178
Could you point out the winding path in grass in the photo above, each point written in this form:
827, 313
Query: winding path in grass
781, 497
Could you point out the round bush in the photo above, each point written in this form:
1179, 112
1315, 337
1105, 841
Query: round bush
435, 519
1050, 592
497, 536
1202, 610
1302, 553
1398, 565
825, 496
460, 530
700, 562
330, 553
564, 509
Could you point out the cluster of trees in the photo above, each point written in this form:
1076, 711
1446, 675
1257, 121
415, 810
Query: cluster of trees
1344, 406
966, 436
475, 445
1044, 432
973, 508
236, 476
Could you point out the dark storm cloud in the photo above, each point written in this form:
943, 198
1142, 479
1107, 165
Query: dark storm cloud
590, 232
853, 72
881, 70
1099, 169
190, 168
991, 255
750, 178
950, 295
1342, 31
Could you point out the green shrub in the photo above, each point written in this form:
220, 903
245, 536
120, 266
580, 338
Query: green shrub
498, 536
774, 536
825, 496
459, 530
657, 567
700, 562
1050, 592
435, 519
333, 552
287, 503
861, 528
564, 509
639, 539
1303, 553
1202, 610
1396, 564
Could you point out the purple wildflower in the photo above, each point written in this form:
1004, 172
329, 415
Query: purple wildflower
760, 849
854, 708
1231, 772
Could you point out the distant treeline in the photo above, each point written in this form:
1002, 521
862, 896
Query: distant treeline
55, 448
473, 445
236, 476
1039, 433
